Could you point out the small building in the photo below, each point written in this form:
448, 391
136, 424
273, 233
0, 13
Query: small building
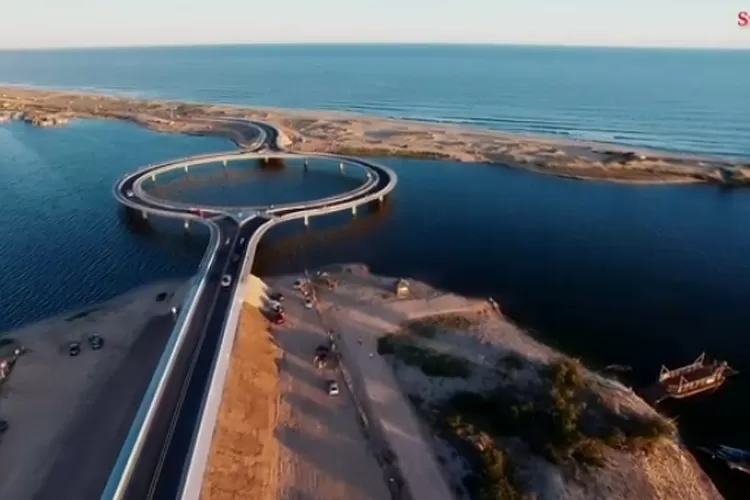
402, 289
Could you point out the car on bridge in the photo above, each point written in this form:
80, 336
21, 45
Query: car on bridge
226, 280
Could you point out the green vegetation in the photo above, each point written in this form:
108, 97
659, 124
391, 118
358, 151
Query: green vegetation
386, 152
433, 364
430, 327
561, 419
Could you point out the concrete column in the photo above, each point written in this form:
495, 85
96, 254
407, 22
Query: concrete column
153, 177
187, 225
224, 162
380, 199
354, 211
307, 166
185, 167
341, 167
307, 221
265, 159
144, 215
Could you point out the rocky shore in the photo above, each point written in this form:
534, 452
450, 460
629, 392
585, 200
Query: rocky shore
366, 136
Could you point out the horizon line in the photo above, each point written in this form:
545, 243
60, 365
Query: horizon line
373, 43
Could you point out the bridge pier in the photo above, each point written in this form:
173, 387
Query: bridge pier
224, 163
380, 200
144, 215
153, 177
341, 167
306, 165
185, 167
307, 221
187, 225
354, 211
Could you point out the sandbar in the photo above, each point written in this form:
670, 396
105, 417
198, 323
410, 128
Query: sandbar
69, 415
357, 135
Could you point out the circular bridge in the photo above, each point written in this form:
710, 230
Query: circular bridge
130, 189
166, 451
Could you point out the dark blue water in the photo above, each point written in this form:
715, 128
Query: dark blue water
64, 244
686, 100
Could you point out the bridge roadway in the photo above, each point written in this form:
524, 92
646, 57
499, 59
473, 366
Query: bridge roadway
154, 462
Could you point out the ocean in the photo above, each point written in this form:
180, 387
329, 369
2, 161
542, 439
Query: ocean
692, 101
633, 275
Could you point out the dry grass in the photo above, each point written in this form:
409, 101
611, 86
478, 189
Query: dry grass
244, 453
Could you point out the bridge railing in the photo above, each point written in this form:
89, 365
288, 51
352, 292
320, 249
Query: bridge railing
191, 488
138, 184
130, 452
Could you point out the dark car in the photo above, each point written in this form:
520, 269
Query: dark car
322, 350
277, 296
74, 348
3, 426
96, 342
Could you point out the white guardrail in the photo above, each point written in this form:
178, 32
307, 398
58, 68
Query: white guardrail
206, 159
130, 452
121, 472
191, 490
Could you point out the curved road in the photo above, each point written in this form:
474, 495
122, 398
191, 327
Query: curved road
156, 468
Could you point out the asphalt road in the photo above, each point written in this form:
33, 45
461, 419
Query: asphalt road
166, 447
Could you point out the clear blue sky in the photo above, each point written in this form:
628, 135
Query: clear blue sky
66, 23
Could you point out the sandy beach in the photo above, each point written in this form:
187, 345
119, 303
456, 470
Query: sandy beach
477, 337
68, 415
313, 131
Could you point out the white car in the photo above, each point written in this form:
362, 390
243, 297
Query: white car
226, 280
129, 193
333, 388
308, 304
275, 306
299, 283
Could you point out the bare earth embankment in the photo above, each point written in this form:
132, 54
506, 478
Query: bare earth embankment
366, 136
503, 415
69, 415
279, 434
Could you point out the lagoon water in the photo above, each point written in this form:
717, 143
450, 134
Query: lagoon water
618, 274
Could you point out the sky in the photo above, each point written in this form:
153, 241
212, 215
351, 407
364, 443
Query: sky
106, 23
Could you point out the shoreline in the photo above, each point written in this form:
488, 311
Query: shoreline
361, 135
65, 423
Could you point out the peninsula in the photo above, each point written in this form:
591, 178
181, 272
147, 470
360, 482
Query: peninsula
350, 134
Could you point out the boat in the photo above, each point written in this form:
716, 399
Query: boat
689, 380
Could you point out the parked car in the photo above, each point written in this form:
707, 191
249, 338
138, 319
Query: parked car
226, 280
129, 193
3, 427
277, 296
333, 388
299, 283
322, 350
96, 342
74, 348
275, 307
308, 304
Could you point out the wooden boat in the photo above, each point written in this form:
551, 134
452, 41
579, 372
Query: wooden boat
697, 377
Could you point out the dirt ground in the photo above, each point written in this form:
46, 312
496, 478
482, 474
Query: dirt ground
244, 452
66, 425
324, 454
